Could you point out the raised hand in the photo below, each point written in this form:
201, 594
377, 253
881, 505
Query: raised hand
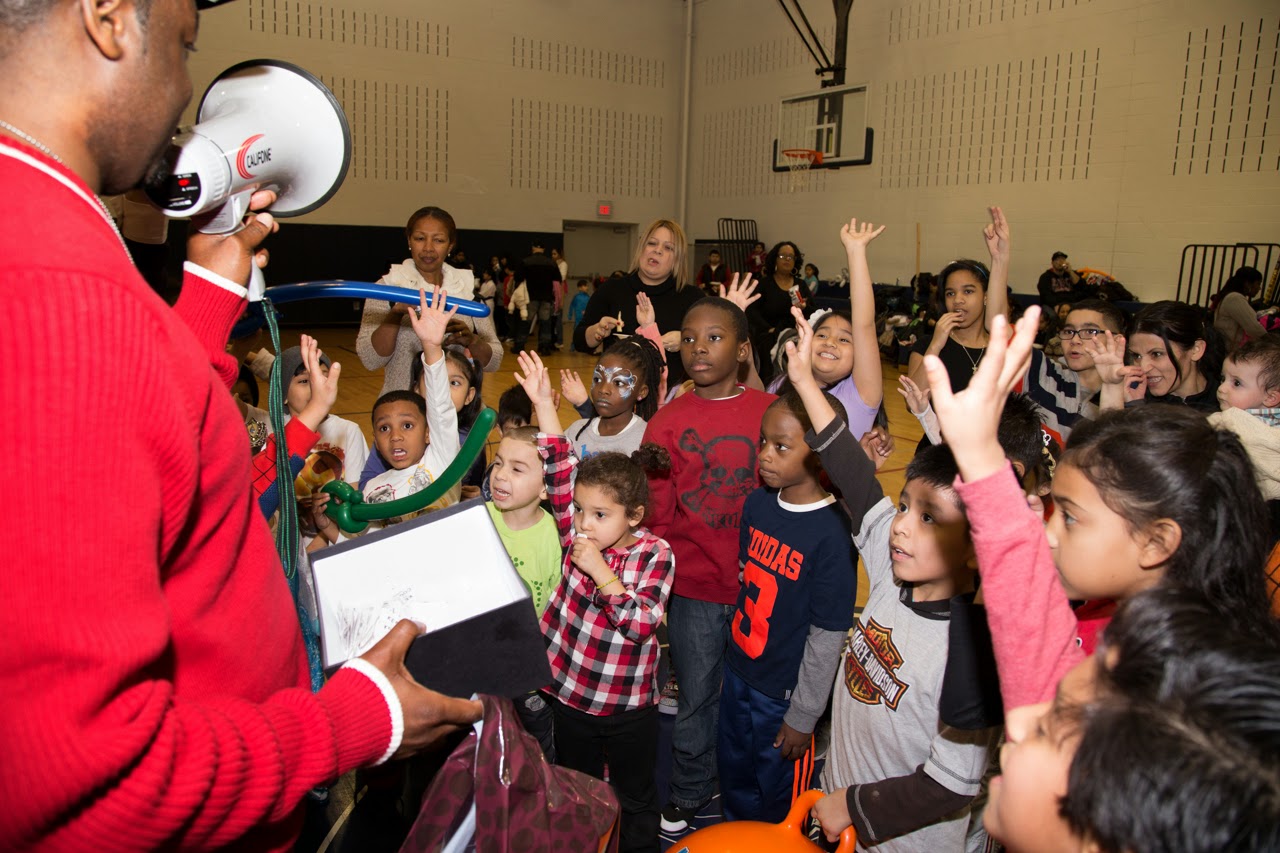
535, 380
324, 386
855, 235
997, 236
431, 322
741, 293
970, 419
800, 352
917, 398
645, 313
572, 388
1107, 351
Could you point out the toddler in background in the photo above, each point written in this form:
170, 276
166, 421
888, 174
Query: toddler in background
417, 439
1249, 396
578, 306
602, 620
624, 396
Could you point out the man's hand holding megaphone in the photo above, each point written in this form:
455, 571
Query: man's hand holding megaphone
233, 255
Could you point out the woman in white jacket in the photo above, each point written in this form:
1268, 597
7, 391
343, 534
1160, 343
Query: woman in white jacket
387, 339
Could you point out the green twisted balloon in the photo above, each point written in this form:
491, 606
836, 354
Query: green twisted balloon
353, 515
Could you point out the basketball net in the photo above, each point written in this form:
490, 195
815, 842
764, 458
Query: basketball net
798, 161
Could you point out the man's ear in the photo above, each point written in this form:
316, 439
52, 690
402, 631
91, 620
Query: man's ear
1160, 540
107, 24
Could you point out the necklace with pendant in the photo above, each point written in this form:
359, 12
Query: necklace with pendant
972, 362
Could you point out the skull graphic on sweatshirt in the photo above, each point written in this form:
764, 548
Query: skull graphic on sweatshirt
728, 476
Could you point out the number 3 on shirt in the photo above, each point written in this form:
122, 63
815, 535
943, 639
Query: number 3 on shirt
758, 609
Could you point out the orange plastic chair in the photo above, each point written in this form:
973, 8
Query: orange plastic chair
753, 836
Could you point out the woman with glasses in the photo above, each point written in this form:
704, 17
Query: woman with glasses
780, 288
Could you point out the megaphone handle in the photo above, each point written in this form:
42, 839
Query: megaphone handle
257, 283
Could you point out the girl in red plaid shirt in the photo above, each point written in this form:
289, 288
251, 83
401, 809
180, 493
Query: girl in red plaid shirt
600, 622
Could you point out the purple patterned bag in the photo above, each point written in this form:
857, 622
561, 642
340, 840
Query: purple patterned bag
521, 803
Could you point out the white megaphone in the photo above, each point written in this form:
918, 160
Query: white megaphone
262, 124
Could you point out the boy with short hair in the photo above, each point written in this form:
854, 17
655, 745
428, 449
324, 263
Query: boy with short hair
901, 777
514, 409
799, 584
711, 434
417, 437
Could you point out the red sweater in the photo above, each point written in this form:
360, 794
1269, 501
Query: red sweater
151, 664
697, 508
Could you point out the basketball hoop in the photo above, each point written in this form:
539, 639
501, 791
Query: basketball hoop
799, 160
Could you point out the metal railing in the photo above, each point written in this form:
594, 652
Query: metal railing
1207, 266
737, 238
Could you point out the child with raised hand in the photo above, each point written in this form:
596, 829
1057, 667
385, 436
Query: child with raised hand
416, 436
602, 619
624, 395
796, 604
711, 435
339, 452
1147, 496
846, 354
1066, 395
903, 779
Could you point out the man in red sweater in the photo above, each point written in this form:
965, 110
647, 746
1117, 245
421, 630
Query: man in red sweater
152, 673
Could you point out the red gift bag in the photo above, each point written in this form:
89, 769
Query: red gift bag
497, 794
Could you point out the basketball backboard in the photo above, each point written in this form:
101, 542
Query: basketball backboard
832, 121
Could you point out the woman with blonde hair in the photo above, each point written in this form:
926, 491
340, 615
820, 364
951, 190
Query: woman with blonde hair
660, 271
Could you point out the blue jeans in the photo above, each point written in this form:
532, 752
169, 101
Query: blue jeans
699, 632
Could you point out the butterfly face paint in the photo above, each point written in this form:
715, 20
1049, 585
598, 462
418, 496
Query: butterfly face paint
621, 379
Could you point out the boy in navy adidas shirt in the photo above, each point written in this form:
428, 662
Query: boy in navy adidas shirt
799, 579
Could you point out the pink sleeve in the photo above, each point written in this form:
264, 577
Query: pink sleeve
1033, 628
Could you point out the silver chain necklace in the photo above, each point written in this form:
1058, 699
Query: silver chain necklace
965, 350
40, 146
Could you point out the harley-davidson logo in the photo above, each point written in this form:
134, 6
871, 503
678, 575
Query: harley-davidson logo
868, 667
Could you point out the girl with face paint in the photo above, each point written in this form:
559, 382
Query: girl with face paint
624, 392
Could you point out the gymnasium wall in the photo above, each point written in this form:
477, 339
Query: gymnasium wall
514, 116
1115, 130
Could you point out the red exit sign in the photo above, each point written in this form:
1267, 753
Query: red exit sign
604, 208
